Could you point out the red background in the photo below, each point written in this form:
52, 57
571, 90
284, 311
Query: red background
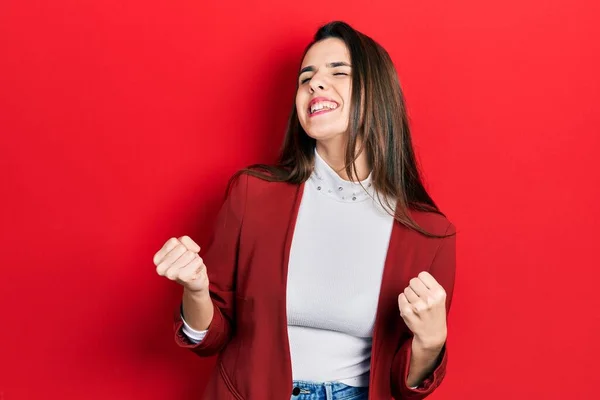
121, 121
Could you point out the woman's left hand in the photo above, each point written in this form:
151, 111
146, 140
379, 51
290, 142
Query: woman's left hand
423, 309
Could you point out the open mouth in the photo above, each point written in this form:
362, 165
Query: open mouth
322, 107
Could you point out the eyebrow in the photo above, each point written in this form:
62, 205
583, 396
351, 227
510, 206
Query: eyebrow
329, 65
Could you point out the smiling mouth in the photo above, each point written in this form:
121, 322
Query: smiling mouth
322, 107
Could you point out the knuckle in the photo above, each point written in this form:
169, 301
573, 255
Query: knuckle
439, 293
194, 266
172, 274
184, 276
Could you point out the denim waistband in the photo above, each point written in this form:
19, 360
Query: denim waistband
308, 390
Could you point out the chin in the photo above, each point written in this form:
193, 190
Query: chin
324, 134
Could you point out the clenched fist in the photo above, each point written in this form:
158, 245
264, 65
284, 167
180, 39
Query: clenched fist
423, 308
179, 261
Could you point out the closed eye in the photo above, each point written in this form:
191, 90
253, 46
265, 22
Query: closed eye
303, 81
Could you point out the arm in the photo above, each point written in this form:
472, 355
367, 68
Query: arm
220, 258
423, 360
195, 336
424, 364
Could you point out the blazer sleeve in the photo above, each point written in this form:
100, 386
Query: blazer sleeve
443, 268
220, 258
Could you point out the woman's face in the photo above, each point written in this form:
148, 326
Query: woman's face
324, 90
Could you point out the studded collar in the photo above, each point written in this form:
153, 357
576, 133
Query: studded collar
325, 180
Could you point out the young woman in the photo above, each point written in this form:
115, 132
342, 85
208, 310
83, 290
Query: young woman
330, 274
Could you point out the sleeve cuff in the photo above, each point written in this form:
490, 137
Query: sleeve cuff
215, 339
194, 335
435, 377
428, 385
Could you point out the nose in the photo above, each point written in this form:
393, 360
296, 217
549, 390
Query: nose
316, 82
312, 88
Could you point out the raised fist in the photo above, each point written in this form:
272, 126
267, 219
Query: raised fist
423, 308
179, 261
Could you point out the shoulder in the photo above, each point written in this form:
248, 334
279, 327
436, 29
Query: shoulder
254, 186
434, 222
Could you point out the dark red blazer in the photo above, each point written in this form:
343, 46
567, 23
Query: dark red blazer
247, 262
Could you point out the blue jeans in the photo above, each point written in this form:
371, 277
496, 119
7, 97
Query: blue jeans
304, 390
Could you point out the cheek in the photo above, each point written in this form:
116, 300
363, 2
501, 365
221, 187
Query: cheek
299, 102
344, 91
300, 111
349, 94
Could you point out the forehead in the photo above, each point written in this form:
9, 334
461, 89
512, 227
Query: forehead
327, 50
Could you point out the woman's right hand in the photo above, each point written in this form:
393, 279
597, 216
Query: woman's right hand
179, 261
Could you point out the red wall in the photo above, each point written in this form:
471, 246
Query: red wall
121, 121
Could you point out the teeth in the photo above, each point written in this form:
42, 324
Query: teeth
322, 105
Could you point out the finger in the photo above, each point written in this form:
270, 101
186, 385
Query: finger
167, 247
428, 279
421, 307
193, 270
170, 258
173, 271
190, 244
404, 306
410, 295
417, 285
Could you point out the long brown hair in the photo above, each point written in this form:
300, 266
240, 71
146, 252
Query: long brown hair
382, 128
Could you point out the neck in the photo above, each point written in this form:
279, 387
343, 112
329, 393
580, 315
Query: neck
334, 156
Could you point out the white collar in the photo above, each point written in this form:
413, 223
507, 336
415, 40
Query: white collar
329, 183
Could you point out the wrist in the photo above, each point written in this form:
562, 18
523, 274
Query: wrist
199, 296
197, 309
432, 345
